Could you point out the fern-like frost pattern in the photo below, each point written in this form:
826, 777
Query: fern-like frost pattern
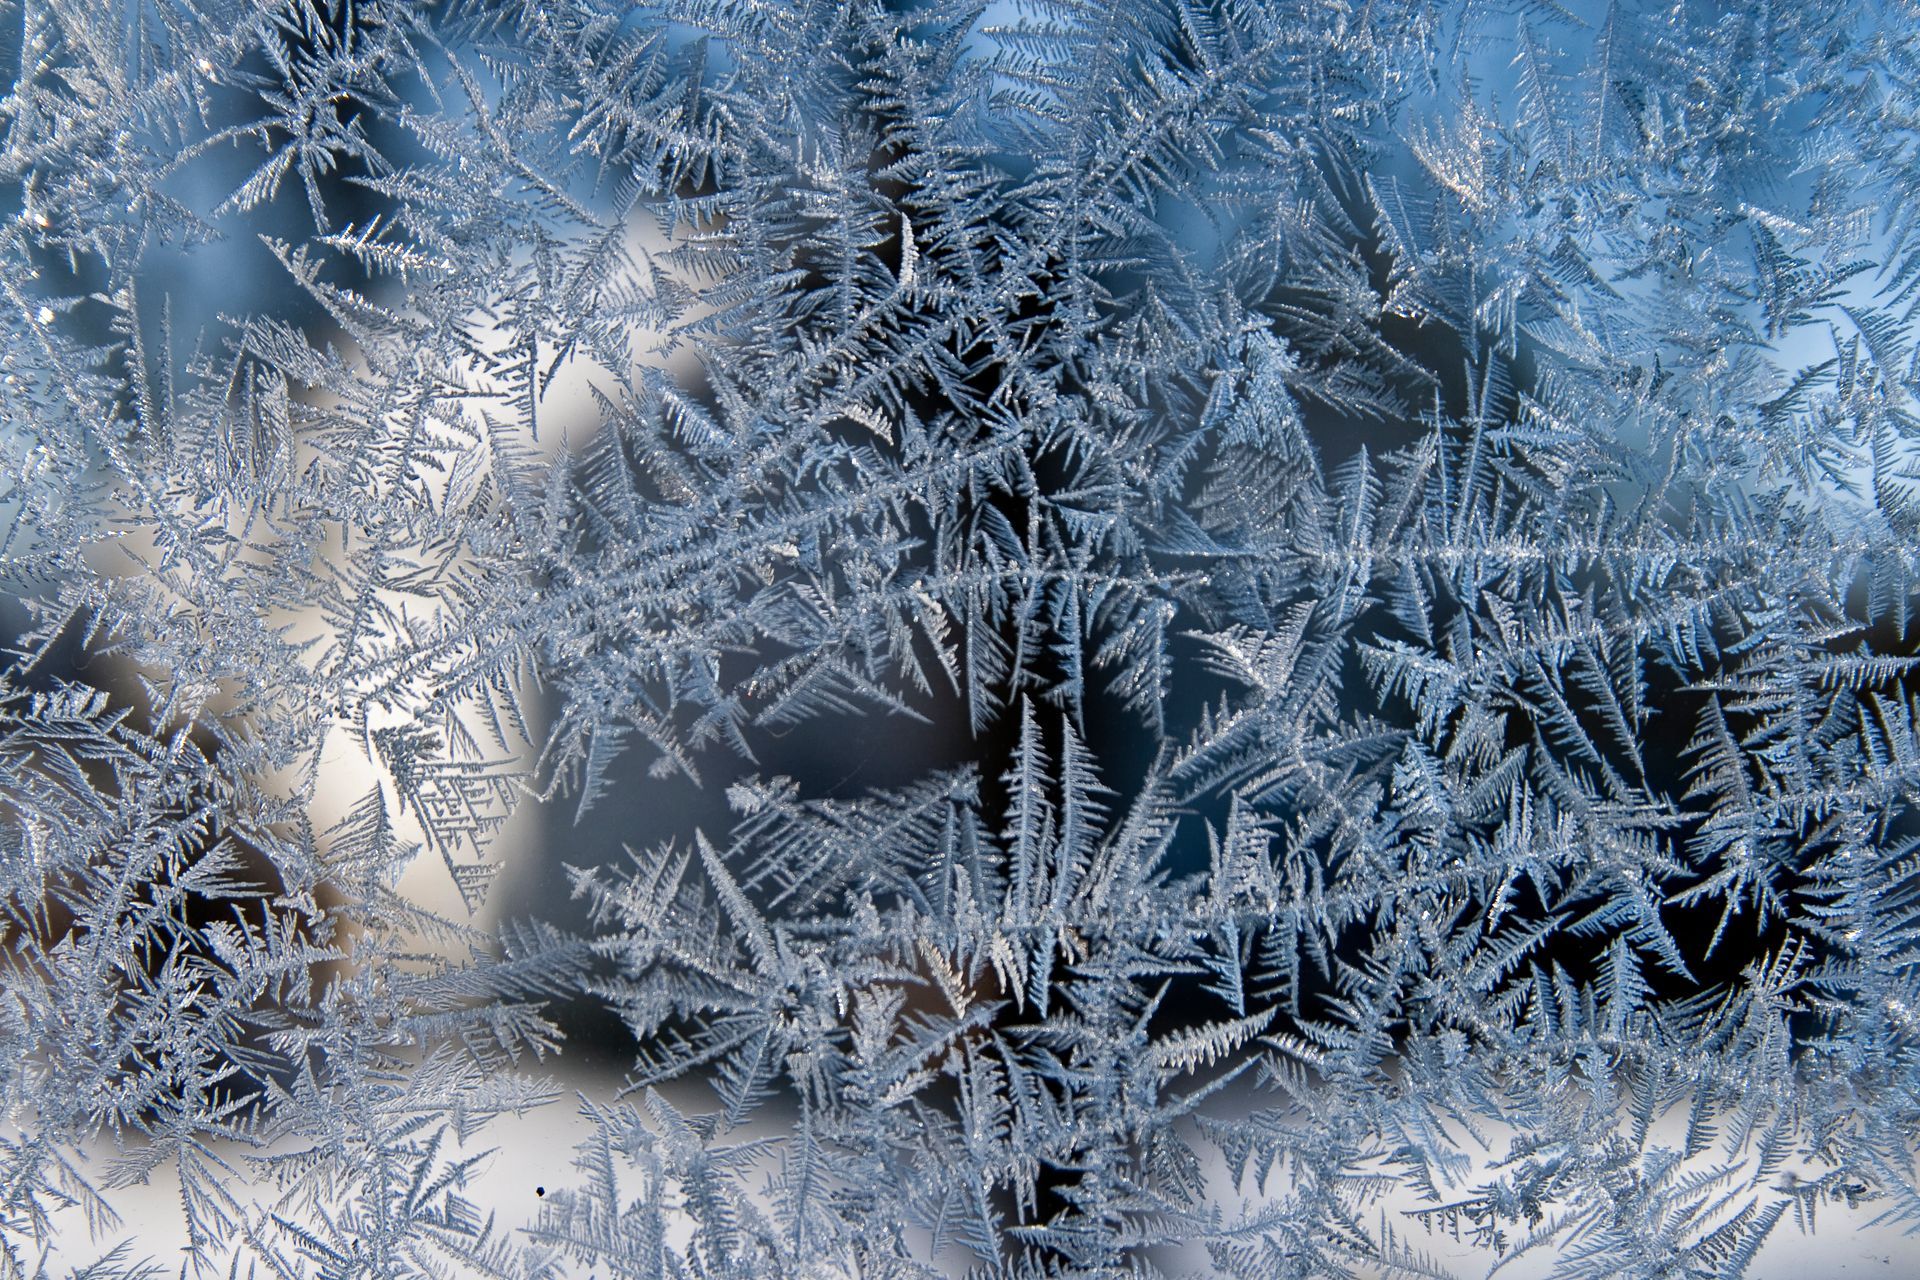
1217, 637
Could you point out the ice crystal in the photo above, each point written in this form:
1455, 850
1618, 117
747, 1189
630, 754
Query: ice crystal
1302, 612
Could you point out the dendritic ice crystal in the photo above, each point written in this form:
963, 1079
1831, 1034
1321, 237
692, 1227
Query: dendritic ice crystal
934, 638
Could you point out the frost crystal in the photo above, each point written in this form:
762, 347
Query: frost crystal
1289, 627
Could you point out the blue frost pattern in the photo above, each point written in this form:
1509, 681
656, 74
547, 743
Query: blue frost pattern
1291, 624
